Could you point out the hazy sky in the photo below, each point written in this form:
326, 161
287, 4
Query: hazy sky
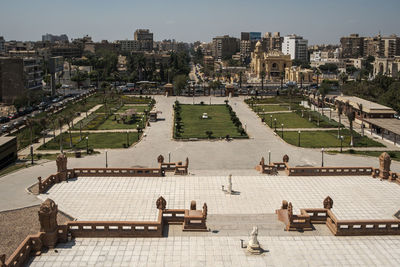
319, 21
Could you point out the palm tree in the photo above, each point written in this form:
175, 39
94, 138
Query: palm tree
339, 111
360, 107
262, 75
301, 79
350, 116
240, 79
43, 125
68, 118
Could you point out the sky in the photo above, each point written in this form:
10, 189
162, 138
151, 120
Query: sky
319, 21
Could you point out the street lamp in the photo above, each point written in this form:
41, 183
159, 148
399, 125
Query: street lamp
282, 130
341, 143
106, 160
271, 120
127, 139
32, 154
275, 124
87, 145
169, 157
322, 157
245, 126
269, 157
137, 129
299, 137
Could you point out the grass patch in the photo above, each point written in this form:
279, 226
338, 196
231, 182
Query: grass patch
114, 122
53, 156
289, 120
219, 122
139, 109
96, 140
394, 155
319, 139
270, 108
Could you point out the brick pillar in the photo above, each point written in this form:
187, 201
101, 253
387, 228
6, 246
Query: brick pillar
48, 222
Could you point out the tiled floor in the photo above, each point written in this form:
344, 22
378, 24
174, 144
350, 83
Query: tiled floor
225, 251
117, 198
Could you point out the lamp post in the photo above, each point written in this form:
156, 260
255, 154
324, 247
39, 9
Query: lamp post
282, 130
169, 157
106, 160
127, 139
245, 127
269, 157
341, 143
322, 157
87, 144
32, 154
271, 119
275, 124
299, 137
137, 129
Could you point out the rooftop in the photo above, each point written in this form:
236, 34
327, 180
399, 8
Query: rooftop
368, 106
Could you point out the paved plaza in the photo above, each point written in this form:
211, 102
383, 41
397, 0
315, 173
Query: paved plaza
127, 198
225, 251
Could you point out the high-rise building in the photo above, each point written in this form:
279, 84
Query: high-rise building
19, 75
372, 46
224, 47
145, 39
273, 41
352, 46
55, 38
390, 46
296, 47
2, 45
129, 45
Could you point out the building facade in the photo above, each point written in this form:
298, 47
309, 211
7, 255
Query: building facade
145, 39
18, 76
298, 75
2, 45
352, 46
387, 66
63, 38
272, 63
224, 47
296, 47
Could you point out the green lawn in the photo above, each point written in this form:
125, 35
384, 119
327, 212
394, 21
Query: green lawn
319, 139
95, 140
139, 109
271, 108
110, 107
289, 120
275, 100
111, 124
219, 122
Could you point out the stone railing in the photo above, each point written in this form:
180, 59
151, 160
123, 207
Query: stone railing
328, 171
337, 227
32, 243
117, 172
173, 216
45, 184
116, 228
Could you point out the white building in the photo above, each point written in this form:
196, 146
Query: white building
296, 47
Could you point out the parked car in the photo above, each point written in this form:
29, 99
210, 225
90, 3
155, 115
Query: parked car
4, 119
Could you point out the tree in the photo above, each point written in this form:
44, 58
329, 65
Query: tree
60, 122
262, 75
180, 82
30, 123
343, 78
339, 107
324, 90
43, 125
318, 73
360, 107
68, 118
240, 79
301, 79
350, 116
79, 77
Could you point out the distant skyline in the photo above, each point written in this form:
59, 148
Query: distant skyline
321, 22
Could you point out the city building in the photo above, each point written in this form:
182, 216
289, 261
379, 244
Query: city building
145, 39
2, 44
372, 46
63, 38
129, 45
298, 75
224, 47
272, 63
273, 41
352, 46
296, 47
387, 66
390, 46
18, 76
66, 50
